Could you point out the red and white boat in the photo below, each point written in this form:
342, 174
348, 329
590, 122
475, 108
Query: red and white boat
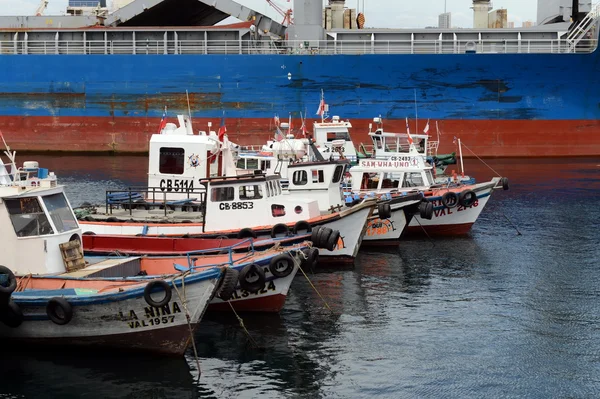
182, 199
455, 206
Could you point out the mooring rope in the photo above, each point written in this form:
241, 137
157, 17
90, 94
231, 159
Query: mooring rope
241, 321
183, 300
310, 282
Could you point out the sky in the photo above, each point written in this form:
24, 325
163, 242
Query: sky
378, 13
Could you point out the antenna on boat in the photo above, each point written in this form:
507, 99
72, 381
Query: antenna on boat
187, 95
416, 114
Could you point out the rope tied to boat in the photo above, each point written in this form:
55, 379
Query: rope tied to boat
183, 301
241, 321
303, 255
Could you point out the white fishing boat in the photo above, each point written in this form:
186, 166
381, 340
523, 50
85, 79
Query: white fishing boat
454, 206
43, 301
182, 199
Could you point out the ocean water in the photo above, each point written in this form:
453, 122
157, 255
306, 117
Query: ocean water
510, 311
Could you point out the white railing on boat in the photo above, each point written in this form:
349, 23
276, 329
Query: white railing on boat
329, 47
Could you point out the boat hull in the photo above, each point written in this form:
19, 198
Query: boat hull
452, 221
485, 137
122, 322
386, 231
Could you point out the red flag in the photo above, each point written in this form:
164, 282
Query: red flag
163, 121
303, 127
222, 129
278, 134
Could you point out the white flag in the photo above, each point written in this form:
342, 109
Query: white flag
426, 127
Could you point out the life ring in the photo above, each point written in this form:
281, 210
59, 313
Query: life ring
333, 240
384, 210
323, 237
252, 278
467, 198
246, 233
504, 182
11, 315
227, 284
59, 311
302, 225
450, 199
426, 210
155, 284
11, 280
281, 265
279, 228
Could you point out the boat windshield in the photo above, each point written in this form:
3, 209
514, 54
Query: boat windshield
28, 217
60, 212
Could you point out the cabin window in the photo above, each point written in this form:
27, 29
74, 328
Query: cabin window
60, 212
278, 187
413, 179
369, 181
390, 180
251, 164
250, 192
27, 217
337, 174
300, 178
277, 210
171, 161
241, 163
317, 176
429, 176
268, 190
378, 144
331, 136
265, 165
220, 194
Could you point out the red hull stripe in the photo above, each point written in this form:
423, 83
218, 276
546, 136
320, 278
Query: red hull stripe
505, 138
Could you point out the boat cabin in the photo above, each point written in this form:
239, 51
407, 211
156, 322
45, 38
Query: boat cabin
399, 172
179, 159
253, 200
319, 180
35, 219
387, 144
328, 135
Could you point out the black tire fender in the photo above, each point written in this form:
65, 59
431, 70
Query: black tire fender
11, 315
323, 237
426, 210
11, 280
314, 237
246, 233
504, 182
302, 225
279, 228
151, 287
333, 240
249, 271
227, 284
450, 199
59, 311
467, 198
281, 265
384, 210
112, 219
310, 258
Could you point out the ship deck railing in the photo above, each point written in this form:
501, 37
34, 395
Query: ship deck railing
328, 47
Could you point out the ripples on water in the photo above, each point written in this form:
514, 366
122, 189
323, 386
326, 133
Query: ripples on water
495, 314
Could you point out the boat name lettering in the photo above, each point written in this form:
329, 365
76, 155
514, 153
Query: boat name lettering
176, 185
449, 211
385, 164
226, 206
239, 294
152, 316
379, 227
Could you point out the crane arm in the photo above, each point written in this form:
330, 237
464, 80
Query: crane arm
43, 4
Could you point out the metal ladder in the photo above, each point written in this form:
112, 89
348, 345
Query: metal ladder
582, 28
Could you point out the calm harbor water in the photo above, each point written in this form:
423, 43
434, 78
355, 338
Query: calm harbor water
495, 314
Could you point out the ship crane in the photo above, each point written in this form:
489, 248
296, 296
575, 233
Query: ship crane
287, 15
40, 10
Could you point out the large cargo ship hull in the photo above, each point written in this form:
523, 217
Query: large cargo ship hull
498, 104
